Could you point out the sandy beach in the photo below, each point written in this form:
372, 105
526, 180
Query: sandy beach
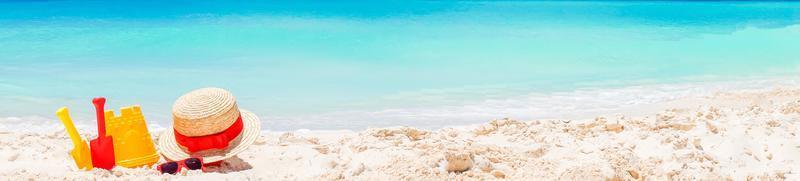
734, 135
400, 90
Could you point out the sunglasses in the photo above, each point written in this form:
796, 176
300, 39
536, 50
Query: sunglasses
175, 167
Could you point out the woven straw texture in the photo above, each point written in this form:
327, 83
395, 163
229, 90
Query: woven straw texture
204, 112
250, 132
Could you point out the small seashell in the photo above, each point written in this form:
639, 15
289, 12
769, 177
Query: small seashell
615, 127
13, 157
498, 174
322, 149
634, 174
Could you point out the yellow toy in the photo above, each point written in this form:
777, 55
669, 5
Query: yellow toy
133, 146
81, 154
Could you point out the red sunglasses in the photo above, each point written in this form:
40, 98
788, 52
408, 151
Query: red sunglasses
175, 167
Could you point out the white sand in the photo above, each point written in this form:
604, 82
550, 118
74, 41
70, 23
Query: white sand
728, 136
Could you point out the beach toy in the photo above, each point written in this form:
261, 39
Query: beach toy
80, 152
103, 146
133, 146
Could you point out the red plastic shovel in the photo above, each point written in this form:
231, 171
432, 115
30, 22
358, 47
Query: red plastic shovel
102, 147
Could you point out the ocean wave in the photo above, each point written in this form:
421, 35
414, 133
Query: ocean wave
577, 104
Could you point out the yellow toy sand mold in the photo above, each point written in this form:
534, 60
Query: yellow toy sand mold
133, 145
81, 154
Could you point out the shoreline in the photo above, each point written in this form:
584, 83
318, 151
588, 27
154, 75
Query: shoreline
585, 103
738, 134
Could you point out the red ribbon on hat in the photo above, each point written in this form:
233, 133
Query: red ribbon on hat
219, 140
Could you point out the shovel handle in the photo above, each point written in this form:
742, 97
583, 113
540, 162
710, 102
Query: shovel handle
63, 115
99, 103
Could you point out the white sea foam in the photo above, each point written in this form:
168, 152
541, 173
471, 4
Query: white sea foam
36, 124
577, 104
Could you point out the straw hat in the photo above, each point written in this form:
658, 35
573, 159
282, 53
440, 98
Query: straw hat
204, 112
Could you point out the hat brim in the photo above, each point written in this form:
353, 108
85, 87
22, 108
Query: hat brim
171, 150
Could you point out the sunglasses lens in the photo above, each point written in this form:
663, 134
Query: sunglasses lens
193, 163
169, 167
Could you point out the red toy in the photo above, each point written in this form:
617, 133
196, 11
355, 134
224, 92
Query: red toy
102, 147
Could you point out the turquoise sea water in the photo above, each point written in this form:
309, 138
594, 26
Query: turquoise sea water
330, 65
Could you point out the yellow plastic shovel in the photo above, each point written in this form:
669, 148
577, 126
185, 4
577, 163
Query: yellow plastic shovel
81, 154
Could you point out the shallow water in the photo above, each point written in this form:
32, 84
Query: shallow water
316, 64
